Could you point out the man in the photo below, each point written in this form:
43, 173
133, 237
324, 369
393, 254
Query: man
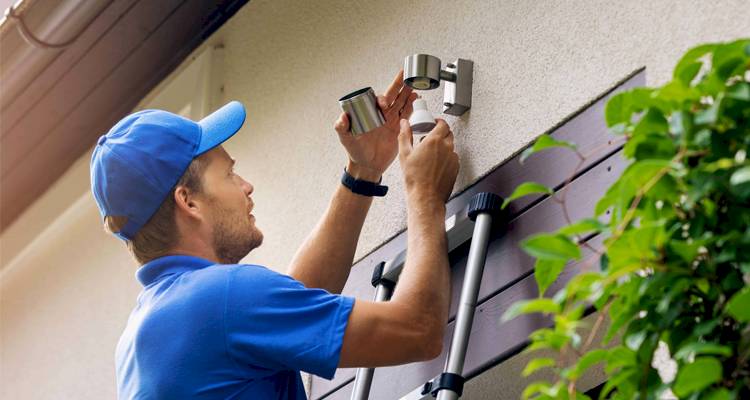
207, 327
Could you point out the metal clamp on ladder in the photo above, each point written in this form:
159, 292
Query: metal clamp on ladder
446, 380
481, 211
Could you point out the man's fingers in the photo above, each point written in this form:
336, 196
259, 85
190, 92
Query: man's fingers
394, 88
441, 129
409, 108
402, 98
342, 124
405, 138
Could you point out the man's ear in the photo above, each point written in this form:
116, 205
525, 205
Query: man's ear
187, 202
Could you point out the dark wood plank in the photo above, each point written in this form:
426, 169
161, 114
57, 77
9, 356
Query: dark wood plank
552, 168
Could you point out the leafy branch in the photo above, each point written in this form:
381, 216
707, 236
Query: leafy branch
675, 226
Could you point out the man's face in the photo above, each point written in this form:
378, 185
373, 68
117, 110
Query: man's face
234, 233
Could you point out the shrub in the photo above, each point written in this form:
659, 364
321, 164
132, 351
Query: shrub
675, 260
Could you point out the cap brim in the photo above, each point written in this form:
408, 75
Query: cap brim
220, 125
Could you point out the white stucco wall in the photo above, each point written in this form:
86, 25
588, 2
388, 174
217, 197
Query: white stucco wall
66, 288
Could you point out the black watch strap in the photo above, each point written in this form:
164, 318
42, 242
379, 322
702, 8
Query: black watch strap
365, 188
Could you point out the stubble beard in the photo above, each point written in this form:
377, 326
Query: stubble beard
234, 236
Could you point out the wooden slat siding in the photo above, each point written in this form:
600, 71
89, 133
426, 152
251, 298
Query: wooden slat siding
506, 262
551, 167
169, 42
64, 64
490, 343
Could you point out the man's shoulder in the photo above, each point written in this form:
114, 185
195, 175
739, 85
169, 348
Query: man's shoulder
229, 275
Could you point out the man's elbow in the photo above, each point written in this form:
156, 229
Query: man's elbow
434, 350
432, 342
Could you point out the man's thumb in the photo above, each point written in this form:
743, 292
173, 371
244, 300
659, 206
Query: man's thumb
405, 138
342, 124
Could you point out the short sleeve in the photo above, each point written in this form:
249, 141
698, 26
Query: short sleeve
273, 322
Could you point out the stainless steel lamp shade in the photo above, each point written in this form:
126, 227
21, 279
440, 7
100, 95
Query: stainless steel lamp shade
361, 106
422, 71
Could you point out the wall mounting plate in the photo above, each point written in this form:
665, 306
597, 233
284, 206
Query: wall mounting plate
457, 97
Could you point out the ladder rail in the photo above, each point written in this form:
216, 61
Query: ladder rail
459, 228
363, 377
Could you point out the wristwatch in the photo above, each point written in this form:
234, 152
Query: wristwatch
365, 188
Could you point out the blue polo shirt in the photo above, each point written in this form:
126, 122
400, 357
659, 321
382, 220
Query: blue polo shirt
214, 331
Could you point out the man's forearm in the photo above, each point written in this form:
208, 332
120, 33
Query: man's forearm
325, 258
425, 279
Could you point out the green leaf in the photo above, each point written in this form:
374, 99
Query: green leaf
696, 376
687, 74
618, 109
739, 305
698, 348
588, 359
635, 246
652, 122
635, 340
541, 305
739, 91
687, 251
544, 142
633, 179
585, 225
728, 59
710, 115
526, 189
677, 92
536, 387
537, 364
551, 247
689, 59
546, 272
680, 123
740, 176
650, 145
718, 394
619, 357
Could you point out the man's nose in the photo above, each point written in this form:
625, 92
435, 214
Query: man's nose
247, 187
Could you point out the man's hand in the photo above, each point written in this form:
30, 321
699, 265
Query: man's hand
371, 153
430, 169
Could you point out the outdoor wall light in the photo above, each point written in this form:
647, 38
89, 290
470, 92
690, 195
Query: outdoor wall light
423, 72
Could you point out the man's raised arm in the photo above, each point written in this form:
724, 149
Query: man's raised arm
410, 326
325, 258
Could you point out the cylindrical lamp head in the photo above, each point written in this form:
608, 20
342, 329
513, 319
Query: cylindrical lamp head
422, 71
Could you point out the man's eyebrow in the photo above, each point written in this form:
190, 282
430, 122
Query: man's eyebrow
232, 163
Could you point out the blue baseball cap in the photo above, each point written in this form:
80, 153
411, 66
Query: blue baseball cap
138, 162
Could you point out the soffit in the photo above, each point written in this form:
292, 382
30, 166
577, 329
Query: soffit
128, 48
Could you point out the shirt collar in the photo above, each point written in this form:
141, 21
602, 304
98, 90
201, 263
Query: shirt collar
156, 269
